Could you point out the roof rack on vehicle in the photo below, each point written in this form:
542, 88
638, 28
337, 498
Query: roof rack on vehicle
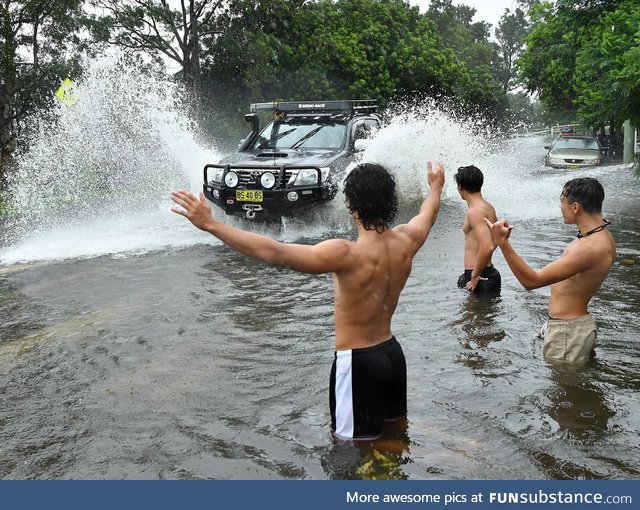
318, 107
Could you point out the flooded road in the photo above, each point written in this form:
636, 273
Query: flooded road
145, 349
134, 346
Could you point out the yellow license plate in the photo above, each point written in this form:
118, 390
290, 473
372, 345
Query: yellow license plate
248, 195
573, 167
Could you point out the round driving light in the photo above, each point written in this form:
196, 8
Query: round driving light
292, 196
231, 179
216, 194
268, 180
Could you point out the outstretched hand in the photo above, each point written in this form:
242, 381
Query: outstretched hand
196, 210
500, 231
435, 178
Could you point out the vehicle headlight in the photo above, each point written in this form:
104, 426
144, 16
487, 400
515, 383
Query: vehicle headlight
217, 174
306, 177
324, 173
268, 180
231, 179
556, 161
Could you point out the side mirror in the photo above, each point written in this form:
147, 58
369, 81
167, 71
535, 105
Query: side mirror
548, 147
360, 145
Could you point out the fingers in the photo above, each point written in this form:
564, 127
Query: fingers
503, 223
439, 166
184, 197
181, 212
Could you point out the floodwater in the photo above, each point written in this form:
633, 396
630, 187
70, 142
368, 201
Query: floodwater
133, 346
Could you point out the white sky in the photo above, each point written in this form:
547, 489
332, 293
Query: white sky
486, 10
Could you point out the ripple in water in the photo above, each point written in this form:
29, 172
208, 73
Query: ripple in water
96, 179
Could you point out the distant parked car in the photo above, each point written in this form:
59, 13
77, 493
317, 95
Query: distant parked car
574, 151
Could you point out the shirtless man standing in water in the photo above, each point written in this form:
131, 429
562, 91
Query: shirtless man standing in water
570, 332
368, 383
479, 274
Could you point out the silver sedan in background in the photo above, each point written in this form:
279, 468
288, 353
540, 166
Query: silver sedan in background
574, 151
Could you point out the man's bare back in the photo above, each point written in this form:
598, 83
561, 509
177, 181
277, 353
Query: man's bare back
367, 384
367, 292
473, 222
479, 277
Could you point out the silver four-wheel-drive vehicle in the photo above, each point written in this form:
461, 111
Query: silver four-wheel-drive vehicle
295, 162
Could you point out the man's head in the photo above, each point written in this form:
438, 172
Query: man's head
469, 178
370, 191
587, 192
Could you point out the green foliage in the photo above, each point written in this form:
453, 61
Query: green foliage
37, 44
547, 65
510, 35
608, 68
584, 56
382, 49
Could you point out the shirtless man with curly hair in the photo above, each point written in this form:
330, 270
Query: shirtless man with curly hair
368, 383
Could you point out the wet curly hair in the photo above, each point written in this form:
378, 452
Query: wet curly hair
370, 193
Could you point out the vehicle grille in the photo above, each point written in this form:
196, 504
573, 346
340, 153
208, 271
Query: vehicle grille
250, 177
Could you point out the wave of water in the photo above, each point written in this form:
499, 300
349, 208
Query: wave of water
96, 180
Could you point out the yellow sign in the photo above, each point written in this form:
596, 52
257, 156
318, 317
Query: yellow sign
68, 92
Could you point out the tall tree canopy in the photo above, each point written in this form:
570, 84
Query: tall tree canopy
511, 33
276, 49
582, 56
157, 27
36, 41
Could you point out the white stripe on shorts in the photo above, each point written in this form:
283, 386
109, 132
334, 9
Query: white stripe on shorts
344, 395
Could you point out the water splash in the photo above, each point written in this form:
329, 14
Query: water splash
96, 180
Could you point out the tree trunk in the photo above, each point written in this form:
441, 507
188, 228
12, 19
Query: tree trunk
7, 139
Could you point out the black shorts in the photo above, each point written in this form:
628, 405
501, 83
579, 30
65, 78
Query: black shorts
491, 286
367, 387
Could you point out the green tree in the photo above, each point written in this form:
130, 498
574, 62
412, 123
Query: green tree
608, 68
510, 36
582, 58
36, 39
155, 27
348, 48
548, 63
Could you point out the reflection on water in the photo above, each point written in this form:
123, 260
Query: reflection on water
382, 459
577, 403
138, 347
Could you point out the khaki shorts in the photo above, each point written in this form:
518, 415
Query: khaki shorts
569, 340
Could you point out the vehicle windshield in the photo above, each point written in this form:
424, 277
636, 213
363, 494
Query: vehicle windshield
308, 135
576, 143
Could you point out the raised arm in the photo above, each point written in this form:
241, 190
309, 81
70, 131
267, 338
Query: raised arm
325, 257
420, 225
570, 264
